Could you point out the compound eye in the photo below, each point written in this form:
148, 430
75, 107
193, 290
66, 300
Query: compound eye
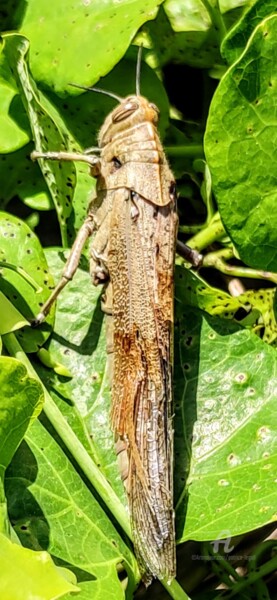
124, 110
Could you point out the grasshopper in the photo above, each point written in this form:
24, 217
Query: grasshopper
134, 221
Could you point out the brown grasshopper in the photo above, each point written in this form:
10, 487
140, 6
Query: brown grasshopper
133, 216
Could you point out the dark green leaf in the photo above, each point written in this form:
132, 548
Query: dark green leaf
235, 41
240, 146
21, 176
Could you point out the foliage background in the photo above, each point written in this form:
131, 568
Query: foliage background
60, 488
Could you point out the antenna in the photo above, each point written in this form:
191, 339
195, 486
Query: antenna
94, 89
138, 71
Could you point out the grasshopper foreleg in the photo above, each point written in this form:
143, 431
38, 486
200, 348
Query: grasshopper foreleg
92, 160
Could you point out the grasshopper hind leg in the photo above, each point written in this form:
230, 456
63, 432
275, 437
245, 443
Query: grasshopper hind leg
69, 269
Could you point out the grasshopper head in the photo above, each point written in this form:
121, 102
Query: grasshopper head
132, 111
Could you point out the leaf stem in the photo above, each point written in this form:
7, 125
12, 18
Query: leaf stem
213, 232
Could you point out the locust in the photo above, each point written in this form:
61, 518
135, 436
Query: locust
133, 220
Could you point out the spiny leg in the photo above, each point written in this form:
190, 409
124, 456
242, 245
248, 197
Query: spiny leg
70, 268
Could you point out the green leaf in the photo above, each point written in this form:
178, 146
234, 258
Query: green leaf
20, 247
191, 15
174, 39
101, 31
264, 301
14, 126
12, 135
79, 343
225, 423
10, 317
254, 309
20, 176
26, 574
4, 520
47, 359
52, 508
21, 399
190, 32
233, 380
235, 41
240, 145
60, 177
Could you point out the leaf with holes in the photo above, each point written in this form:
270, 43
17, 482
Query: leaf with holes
225, 427
254, 309
60, 177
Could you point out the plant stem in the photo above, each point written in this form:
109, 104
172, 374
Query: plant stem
215, 259
83, 459
175, 590
213, 232
187, 151
250, 579
191, 229
216, 17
